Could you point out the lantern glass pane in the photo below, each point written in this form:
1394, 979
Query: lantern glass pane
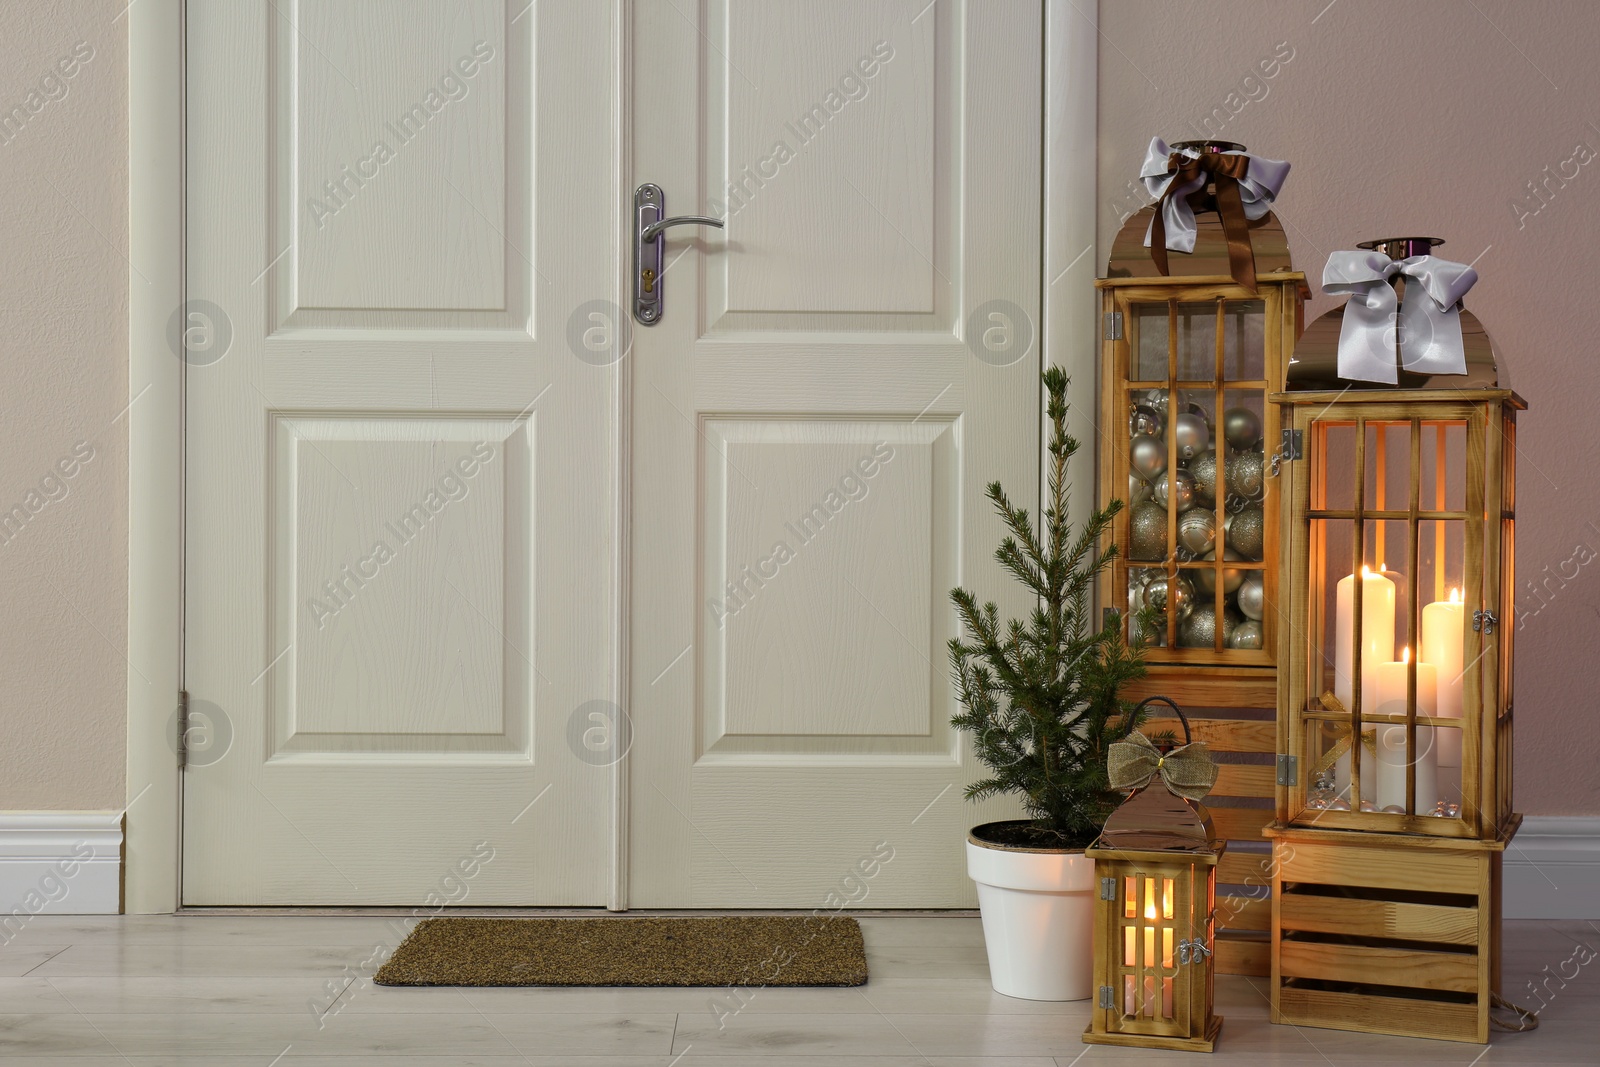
1333, 485
1130, 897
1166, 998
1243, 340
1141, 582
1442, 481
1387, 463
1148, 335
1130, 951
1197, 341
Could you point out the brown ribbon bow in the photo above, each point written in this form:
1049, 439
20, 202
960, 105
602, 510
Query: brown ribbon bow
1369, 739
1224, 170
1186, 771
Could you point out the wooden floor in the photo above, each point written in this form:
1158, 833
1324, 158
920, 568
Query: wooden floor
232, 990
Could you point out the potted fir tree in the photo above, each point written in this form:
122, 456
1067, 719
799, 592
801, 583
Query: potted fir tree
1040, 699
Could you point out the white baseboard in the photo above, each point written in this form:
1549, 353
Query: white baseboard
1552, 868
59, 863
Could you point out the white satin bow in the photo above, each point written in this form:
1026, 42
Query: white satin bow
1426, 328
1257, 190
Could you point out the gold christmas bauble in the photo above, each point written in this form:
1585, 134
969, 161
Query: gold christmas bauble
1232, 577
1253, 596
1147, 456
1204, 469
1197, 531
1246, 635
1246, 476
1147, 531
1175, 488
1246, 532
1190, 435
1200, 627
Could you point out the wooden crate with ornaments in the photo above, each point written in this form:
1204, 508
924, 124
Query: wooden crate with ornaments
1395, 702
1192, 348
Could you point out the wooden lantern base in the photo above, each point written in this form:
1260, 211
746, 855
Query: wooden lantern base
1386, 933
1172, 1044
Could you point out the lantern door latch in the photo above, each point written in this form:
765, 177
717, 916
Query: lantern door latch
1108, 997
1113, 326
650, 224
1193, 951
1484, 620
1288, 770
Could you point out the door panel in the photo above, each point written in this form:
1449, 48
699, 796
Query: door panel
401, 474
835, 377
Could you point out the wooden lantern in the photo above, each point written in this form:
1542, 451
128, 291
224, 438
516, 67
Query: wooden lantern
1394, 720
1199, 338
1154, 927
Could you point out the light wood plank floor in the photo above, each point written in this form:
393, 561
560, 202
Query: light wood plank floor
292, 990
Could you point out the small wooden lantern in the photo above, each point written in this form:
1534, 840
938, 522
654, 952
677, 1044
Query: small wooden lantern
1156, 864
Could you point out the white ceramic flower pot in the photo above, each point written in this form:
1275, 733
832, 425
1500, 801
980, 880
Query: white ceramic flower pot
1038, 920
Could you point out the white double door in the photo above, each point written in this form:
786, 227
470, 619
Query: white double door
495, 597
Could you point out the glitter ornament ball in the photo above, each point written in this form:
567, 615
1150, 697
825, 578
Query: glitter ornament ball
1246, 635
1190, 435
1199, 628
1245, 533
1180, 490
1173, 594
1204, 469
1241, 428
1252, 597
1147, 456
1246, 471
1197, 531
1147, 538
1144, 419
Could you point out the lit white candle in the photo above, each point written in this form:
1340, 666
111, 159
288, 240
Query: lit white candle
1377, 633
1389, 689
1443, 639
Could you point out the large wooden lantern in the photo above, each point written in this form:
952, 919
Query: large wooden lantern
1188, 360
1395, 713
1154, 932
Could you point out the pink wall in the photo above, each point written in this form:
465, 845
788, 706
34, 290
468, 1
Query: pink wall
1442, 118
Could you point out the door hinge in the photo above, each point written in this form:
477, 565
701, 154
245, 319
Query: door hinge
1193, 951
1108, 889
1288, 770
1289, 449
1108, 997
1113, 330
1486, 620
181, 742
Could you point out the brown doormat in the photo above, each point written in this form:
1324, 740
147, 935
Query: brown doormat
751, 950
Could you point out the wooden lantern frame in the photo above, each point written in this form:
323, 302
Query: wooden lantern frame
1487, 518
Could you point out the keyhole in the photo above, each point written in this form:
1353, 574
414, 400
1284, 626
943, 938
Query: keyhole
649, 277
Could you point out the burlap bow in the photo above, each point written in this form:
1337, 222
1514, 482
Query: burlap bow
1369, 739
1186, 771
1246, 186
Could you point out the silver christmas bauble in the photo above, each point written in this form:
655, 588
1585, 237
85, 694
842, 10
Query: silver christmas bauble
1178, 485
1252, 598
1155, 400
1241, 428
1190, 435
1199, 628
1197, 531
1147, 456
1246, 532
1204, 469
1147, 531
1194, 408
1166, 595
1139, 490
1232, 577
1246, 635
1246, 475
1145, 419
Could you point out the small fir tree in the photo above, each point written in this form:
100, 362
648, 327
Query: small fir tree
1040, 697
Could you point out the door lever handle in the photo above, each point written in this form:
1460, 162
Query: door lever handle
652, 231
649, 228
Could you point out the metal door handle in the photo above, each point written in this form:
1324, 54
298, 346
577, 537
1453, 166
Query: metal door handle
649, 227
652, 231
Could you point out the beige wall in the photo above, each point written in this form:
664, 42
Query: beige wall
1430, 117
63, 384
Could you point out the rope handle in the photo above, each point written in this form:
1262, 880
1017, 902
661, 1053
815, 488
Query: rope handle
1169, 702
1526, 1019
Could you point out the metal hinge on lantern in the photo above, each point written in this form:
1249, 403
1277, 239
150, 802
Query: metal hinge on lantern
181, 742
1288, 770
1113, 326
1289, 449
1486, 620
1193, 951
1108, 997
1108, 889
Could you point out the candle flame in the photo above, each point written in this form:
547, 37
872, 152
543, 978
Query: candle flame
1405, 655
1455, 596
1366, 571
1150, 911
